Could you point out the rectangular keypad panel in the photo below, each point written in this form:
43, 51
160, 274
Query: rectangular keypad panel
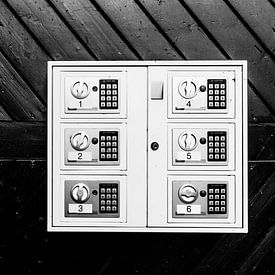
92, 198
108, 145
201, 145
216, 142
216, 93
108, 94
85, 146
216, 200
204, 94
199, 198
108, 198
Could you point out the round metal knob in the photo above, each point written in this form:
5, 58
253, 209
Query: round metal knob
80, 141
80, 89
187, 89
80, 192
188, 194
187, 141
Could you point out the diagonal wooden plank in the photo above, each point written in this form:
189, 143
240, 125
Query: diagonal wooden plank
16, 96
50, 30
227, 255
138, 29
182, 29
261, 142
3, 115
257, 110
93, 29
191, 39
260, 17
23, 140
23, 51
253, 260
227, 29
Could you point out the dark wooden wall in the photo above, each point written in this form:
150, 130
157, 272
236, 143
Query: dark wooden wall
35, 31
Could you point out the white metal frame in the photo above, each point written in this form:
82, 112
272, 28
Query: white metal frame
141, 207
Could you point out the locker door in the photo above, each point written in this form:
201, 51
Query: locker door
195, 126
97, 148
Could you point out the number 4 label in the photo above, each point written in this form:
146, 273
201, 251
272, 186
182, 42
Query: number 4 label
189, 209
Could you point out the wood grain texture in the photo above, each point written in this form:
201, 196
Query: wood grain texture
23, 140
50, 30
229, 252
32, 32
182, 29
261, 142
227, 29
257, 255
138, 29
23, 51
17, 97
93, 29
3, 115
260, 17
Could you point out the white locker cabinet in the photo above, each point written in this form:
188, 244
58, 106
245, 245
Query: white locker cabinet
147, 146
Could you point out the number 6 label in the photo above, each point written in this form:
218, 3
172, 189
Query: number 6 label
189, 209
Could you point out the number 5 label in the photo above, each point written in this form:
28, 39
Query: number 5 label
189, 209
194, 156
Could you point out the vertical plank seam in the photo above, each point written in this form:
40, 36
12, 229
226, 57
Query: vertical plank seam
160, 30
71, 29
250, 30
116, 29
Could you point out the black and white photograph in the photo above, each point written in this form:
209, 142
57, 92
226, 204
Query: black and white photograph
137, 137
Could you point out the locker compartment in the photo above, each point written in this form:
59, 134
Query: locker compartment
82, 200
94, 93
95, 145
207, 200
201, 145
92, 198
202, 92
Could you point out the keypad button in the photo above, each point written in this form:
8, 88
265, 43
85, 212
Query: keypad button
216, 87
218, 147
109, 198
109, 86
102, 104
216, 205
109, 147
